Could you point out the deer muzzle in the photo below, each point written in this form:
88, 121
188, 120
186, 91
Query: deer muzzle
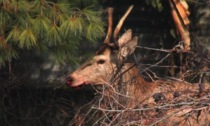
69, 81
74, 81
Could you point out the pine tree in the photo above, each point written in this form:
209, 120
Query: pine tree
47, 26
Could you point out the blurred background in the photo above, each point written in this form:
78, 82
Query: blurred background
42, 41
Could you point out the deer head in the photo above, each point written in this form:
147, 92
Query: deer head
103, 65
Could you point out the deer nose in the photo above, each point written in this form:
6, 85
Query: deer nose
69, 80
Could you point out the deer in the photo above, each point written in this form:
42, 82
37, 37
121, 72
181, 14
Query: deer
109, 68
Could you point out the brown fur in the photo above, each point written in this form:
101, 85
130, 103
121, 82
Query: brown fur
125, 89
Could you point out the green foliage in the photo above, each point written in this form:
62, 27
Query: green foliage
157, 4
47, 26
27, 39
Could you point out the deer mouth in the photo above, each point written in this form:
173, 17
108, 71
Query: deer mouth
76, 82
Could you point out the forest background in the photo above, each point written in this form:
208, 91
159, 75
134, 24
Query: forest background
41, 41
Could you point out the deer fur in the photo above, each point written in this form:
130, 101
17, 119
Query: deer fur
109, 67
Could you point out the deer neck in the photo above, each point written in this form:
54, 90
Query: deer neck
131, 84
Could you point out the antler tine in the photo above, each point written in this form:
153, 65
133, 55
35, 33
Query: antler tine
120, 23
110, 23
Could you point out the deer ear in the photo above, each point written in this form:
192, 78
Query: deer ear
107, 52
128, 48
125, 38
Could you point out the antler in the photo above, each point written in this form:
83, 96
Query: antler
110, 22
119, 25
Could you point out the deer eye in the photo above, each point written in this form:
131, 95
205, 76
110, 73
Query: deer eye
101, 61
